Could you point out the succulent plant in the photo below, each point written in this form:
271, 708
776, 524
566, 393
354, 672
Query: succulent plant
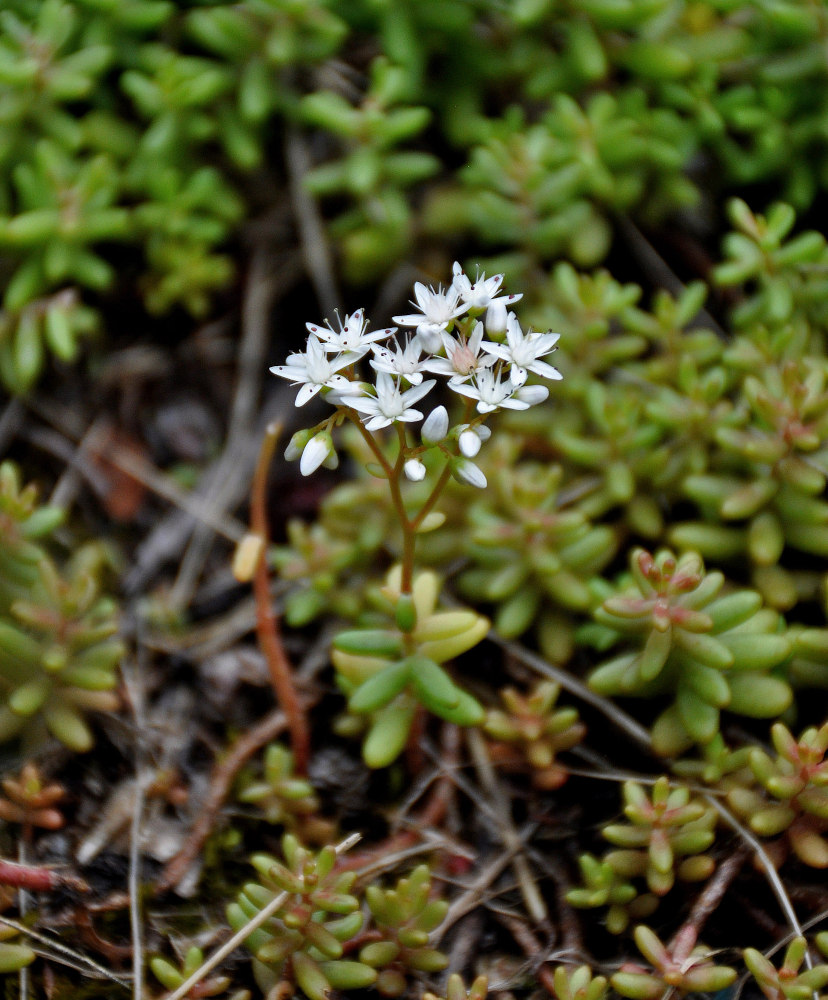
59, 654
710, 652
302, 943
31, 802
456, 989
538, 728
694, 974
605, 886
23, 524
663, 826
795, 799
787, 982
281, 796
531, 554
786, 277
387, 672
404, 916
371, 173
579, 983
172, 977
13, 956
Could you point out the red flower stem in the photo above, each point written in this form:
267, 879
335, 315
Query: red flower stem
267, 628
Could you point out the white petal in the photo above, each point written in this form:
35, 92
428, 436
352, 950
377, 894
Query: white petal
518, 375
544, 370
412, 319
416, 393
429, 336
308, 391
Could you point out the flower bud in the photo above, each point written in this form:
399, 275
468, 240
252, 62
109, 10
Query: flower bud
496, 319
469, 443
435, 426
316, 452
532, 394
297, 444
414, 470
467, 472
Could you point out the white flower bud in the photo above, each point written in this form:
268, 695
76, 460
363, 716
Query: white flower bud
467, 472
316, 452
469, 443
414, 470
435, 426
532, 394
496, 318
297, 444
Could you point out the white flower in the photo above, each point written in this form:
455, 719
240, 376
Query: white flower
463, 357
414, 470
389, 404
435, 426
437, 308
483, 292
522, 351
491, 393
467, 472
317, 452
403, 361
313, 369
352, 334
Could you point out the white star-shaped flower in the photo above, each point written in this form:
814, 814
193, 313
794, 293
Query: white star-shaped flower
313, 369
483, 292
438, 309
403, 361
492, 393
522, 351
390, 405
463, 357
352, 334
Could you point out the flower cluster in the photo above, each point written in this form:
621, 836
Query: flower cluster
444, 337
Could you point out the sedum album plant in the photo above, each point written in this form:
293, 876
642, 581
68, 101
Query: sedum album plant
710, 651
59, 644
465, 335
